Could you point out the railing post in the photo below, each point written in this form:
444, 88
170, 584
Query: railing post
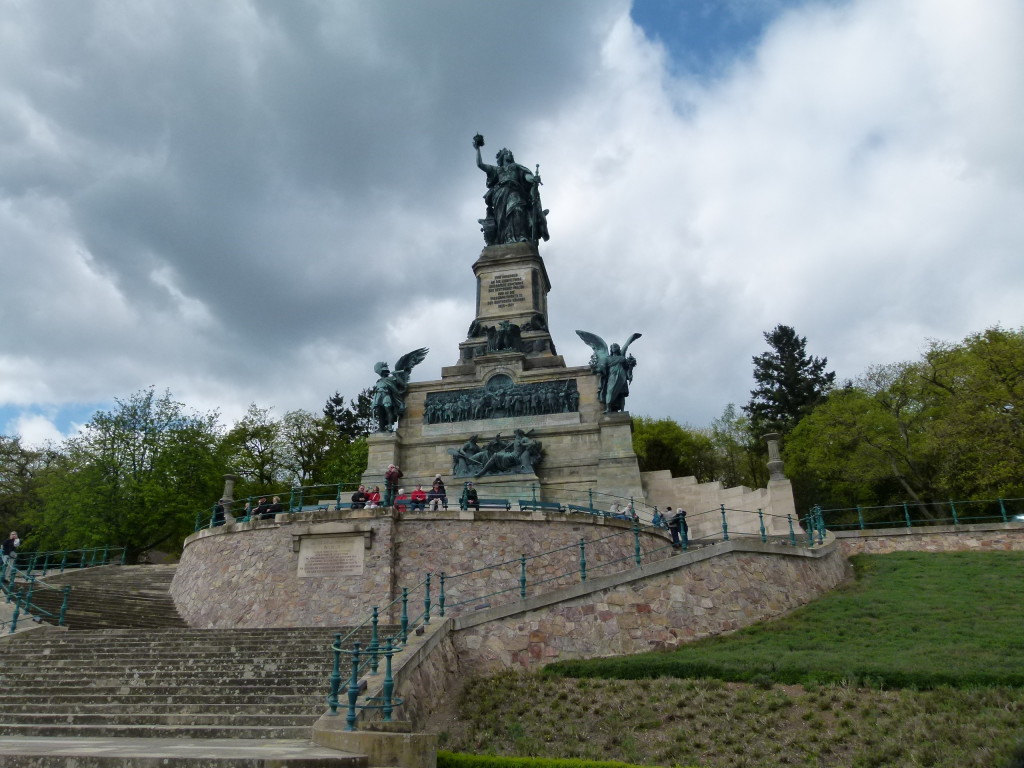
92, 559
405, 615
590, 498
522, 576
440, 598
952, 507
337, 501
426, 603
10, 581
374, 645
533, 487
636, 542
17, 610
63, 560
124, 555
81, 558
906, 514
64, 605
685, 537
725, 525
31, 588
32, 563
1002, 510
291, 499
760, 520
809, 525
583, 560
332, 697
199, 516
819, 524
353, 690
106, 554
792, 533
389, 682
46, 563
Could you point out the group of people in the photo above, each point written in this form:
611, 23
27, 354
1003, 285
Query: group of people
436, 498
676, 524
263, 510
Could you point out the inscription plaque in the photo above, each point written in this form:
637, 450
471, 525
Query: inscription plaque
505, 292
330, 556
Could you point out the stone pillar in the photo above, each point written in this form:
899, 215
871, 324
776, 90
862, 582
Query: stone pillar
780, 491
775, 465
227, 498
384, 448
618, 472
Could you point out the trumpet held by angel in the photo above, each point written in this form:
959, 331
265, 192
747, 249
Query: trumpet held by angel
614, 369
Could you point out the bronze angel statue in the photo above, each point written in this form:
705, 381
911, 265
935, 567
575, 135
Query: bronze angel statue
614, 369
388, 402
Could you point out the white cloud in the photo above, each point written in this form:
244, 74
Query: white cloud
255, 202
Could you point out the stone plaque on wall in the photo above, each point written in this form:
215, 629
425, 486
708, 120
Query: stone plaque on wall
331, 556
507, 292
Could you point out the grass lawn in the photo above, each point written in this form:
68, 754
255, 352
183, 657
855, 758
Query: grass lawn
911, 619
920, 662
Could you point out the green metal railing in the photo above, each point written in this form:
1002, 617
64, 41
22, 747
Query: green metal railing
21, 597
919, 514
567, 564
43, 563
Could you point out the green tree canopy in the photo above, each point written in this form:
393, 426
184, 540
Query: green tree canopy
134, 476
664, 444
946, 426
789, 383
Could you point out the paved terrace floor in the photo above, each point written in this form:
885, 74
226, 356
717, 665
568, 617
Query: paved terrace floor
286, 751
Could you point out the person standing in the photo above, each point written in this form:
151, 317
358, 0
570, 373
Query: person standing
10, 545
391, 478
673, 527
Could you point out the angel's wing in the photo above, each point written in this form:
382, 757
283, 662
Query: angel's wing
410, 360
595, 342
630, 340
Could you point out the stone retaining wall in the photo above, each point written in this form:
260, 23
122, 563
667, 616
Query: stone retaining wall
247, 574
714, 590
937, 538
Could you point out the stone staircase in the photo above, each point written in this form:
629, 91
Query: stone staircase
113, 596
156, 693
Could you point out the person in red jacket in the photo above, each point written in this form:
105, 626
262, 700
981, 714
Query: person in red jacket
418, 499
400, 499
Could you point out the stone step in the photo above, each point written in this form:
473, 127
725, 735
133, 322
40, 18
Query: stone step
172, 718
316, 704
251, 692
159, 731
28, 752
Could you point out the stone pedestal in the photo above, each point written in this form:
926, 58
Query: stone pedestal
618, 472
384, 449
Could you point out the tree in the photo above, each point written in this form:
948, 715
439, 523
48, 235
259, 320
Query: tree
256, 452
134, 476
307, 440
789, 383
739, 457
664, 444
19, 469
354, 420
946, 427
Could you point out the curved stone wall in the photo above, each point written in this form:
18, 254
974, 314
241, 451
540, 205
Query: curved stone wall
248, 574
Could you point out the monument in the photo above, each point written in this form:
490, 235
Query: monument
509, 414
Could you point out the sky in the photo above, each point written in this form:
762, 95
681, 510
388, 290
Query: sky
253, 201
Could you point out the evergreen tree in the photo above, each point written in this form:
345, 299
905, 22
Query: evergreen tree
789, 383
354, 420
